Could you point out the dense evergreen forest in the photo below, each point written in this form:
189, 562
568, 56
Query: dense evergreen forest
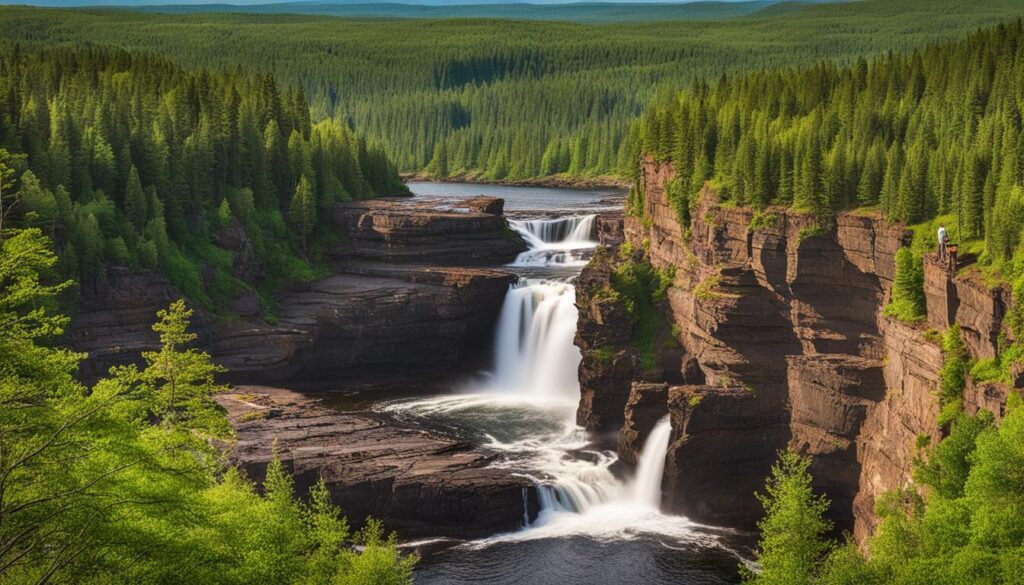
502, 99
127, 159
592, 12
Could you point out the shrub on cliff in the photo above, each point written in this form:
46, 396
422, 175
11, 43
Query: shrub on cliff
956, 365
641, 288
907, 302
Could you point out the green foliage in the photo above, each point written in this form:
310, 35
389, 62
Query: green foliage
920, 134
907, 301
955, 367
641, 288
967, 530
134, 161
679, 201
947, 468
763, 220
118, 483
302, 211
792, 543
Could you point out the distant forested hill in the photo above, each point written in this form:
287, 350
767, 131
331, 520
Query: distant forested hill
586, 12
507, 99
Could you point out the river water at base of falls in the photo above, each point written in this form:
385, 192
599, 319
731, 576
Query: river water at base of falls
593, 527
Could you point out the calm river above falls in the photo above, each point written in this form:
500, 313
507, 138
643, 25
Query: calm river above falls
594, 528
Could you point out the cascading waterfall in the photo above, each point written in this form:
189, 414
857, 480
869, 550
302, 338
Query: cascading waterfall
527, 405
563, 241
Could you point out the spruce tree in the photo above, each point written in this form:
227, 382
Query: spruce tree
302, 211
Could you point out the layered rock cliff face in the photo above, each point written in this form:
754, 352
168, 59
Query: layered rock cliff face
411, 301
784, 345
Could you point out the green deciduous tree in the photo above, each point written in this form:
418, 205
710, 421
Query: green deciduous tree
792, 544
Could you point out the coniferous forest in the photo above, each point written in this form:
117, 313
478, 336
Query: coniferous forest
126, 159
506, 99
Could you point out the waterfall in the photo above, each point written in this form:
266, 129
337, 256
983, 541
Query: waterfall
526, 406
565, 241
534, 350
583, 488
646, 488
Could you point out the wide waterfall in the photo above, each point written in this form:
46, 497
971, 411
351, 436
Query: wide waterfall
563, 241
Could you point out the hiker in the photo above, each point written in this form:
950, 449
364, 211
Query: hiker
943, 239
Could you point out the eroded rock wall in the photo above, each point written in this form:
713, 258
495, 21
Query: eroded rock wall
785, 344
412, 301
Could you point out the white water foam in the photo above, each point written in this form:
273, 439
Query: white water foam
563, 241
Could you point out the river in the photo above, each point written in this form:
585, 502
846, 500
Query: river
594, 527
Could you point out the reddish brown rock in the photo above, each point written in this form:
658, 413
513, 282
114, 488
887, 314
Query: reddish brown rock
373, 324
416, 482
754, 291
724, 441
244, 264
484, 204
395, 230
113, 322
980, 313
990, 396
830, 398
610, 228
647, 404
940, 293
886, 445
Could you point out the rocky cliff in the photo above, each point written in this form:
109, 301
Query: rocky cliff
784, 344
412, 300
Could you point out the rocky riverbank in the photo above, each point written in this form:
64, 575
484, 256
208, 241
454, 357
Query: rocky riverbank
783, 344
416, 482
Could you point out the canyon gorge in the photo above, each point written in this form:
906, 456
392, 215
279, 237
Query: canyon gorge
770, 334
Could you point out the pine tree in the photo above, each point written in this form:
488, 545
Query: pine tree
135, 204
792, 543
302, 211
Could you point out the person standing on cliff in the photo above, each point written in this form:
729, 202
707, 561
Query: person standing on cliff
943, 240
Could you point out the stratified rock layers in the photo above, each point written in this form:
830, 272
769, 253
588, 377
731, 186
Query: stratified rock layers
784, 346
406, 303
417, 483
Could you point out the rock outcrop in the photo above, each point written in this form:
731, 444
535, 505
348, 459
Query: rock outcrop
373, 324
785, 345
417, 483
409, 302
397, 230
113, 322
